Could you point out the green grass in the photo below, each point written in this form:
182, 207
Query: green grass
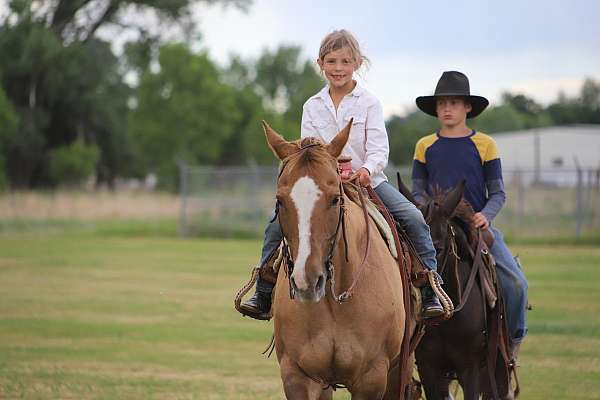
150, 227
92, 316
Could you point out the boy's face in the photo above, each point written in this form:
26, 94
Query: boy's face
452, 110
338, 67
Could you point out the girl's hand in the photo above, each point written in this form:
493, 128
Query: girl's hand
363, 175
480, 221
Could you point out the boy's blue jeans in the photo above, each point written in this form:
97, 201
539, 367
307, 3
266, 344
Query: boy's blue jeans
514, 287
405, 212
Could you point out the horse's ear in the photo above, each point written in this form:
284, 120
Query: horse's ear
280, 147
337, 144
405, 191
453, 198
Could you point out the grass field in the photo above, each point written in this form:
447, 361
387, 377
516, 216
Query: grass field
86, 316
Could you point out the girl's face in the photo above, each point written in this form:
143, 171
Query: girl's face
338, 67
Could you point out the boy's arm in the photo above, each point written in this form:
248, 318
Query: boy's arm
492, 170
496, 198
420, 176
377, 146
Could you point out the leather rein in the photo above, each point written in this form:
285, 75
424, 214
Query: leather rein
477, 257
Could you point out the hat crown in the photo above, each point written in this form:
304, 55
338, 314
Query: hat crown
453, 83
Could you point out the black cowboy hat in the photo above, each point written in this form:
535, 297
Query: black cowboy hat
452, 83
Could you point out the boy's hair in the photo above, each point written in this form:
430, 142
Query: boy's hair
339, 39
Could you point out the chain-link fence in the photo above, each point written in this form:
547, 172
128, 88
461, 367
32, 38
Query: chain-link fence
237, 201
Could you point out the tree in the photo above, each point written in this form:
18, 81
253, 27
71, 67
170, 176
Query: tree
184, 113
286, 82
404, 132
73, 164
247, 143
502, 118
66, 84
8, 124
532, 114
584, 109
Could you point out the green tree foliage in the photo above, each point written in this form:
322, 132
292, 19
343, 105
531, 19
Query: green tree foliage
272, 88
71, 165
405, 132
8, 129
246, 144
583, 109
286, 82
65, 84
184, 113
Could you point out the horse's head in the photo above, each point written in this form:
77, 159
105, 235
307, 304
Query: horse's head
309, 200
438, 211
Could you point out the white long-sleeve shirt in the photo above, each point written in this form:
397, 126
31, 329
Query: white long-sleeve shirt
368, 143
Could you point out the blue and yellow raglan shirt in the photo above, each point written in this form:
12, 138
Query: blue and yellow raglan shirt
443, 162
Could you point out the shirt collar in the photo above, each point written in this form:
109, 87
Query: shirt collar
356, 92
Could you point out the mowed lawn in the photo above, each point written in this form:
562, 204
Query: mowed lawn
88, 317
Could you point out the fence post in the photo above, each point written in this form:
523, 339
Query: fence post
578, 200
183, 194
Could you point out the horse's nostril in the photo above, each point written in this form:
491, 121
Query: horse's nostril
320, 282
293, 283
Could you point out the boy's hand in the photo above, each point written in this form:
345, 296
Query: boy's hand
363, 175
480, 221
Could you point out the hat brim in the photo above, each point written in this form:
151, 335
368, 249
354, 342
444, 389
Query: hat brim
427, 104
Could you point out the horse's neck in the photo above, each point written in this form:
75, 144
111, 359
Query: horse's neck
356, 237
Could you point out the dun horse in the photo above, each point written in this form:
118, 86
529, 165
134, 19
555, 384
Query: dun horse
466, 344
321, 342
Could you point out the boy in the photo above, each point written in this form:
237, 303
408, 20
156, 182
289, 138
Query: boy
456, 152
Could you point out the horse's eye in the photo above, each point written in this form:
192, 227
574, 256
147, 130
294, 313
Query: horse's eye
335, 201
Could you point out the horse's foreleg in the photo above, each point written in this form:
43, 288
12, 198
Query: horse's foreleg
298, 386
435, 384
372, 384
326, 394
469, 381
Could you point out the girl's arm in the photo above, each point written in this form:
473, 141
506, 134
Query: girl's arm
376, 146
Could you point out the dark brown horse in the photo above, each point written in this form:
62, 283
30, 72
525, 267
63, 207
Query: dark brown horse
460, 346
320, 341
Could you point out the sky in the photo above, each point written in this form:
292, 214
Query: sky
534, 47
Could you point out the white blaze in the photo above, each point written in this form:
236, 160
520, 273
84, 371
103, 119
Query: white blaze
305, 194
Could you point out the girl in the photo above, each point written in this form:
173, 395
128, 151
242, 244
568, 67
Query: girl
323, 116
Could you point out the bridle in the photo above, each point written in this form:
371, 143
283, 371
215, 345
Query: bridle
450, 249
341, 225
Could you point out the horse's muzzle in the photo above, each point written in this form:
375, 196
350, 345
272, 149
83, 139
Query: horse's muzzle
314, 291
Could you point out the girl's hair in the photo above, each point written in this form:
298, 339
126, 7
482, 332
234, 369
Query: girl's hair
339, 39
